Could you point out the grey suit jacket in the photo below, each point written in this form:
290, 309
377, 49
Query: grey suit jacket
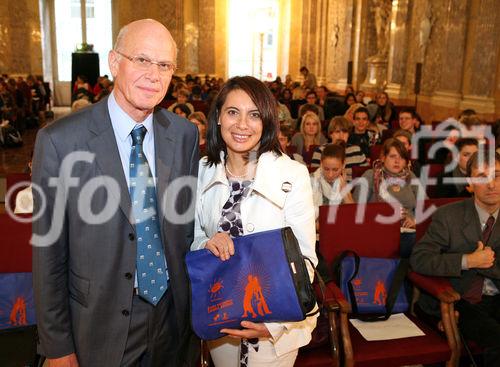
455, 230
82, 283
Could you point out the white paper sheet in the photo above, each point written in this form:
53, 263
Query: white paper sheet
396, 327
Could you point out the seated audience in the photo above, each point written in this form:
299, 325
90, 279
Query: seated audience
284, 116
309, 82
360, 97
182, 110
386, 109
284, 137
311, 105
80, 103
309, 135
443, 154
182, 96
338, 131
24, 198
349, 100
82, 88
329, 179
199, 119
298, 99
461, 244
405, 137
361, 136
465, 148
391, 180
322, 94
408, 120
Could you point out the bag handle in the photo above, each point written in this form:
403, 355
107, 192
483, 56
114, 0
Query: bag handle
321, 282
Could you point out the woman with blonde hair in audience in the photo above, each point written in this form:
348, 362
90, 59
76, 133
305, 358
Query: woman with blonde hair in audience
310, 133
330, 179
391, 180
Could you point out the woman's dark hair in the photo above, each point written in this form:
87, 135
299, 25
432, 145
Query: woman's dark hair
286, 131
265, 102
184, 108
396, 144
349, 95
336, 150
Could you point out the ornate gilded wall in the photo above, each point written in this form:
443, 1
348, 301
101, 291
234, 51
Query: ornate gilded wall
457, 41
20, 37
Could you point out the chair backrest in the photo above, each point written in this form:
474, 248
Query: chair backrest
369, 238
307, 155
422, 224
15, 250
375, 151
11, 180
435, 169
201, 106
357, 171
386, 134
166, 103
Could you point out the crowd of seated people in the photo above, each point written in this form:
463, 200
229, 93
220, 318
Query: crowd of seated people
23, 105
84, 94
332, 134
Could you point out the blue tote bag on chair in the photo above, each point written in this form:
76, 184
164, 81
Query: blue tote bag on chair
266, 280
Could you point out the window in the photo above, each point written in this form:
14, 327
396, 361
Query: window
69, 35
253, 31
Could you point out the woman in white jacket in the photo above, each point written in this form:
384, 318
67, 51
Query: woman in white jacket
246, 185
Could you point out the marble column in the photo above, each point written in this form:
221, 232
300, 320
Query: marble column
482, 57
443, 67
20, 37
191, 36
338, 52
206, 27
398, 51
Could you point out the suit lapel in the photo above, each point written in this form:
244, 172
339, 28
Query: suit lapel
495, 235
164, 158
107, 155
471, 227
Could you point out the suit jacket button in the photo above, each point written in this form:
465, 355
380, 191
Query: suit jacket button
125, 313
250, 227
128, 275
131, 236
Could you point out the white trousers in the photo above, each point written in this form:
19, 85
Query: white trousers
225, 352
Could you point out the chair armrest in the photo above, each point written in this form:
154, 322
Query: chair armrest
334, 293
438, 287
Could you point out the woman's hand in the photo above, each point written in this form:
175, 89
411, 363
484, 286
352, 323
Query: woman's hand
221, 245
409, 222
251, 330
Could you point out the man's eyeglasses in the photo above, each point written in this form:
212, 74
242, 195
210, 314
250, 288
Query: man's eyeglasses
143, 63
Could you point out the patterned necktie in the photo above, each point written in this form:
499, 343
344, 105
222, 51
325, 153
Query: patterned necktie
475, 292
152, 276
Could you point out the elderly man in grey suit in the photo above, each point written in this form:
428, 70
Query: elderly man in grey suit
114, 220
462, 243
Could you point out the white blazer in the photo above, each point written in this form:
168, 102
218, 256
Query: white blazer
280, 196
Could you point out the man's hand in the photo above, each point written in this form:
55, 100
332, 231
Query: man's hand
66, 361
482, 258
252, 330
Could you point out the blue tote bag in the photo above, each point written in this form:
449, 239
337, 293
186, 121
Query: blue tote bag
266, 280
372, 285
